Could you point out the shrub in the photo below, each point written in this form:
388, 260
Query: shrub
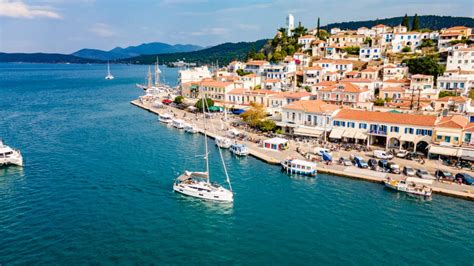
179, 99
199, 104
406, 49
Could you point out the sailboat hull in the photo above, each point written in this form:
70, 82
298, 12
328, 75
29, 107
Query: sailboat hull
205, 191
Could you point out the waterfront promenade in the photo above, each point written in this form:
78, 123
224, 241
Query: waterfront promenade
214, 125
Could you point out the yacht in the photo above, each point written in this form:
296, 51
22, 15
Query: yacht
178, 123
109, 75
411, 185
165, 118
239, 149
223, 142
9, 156
296, 166
198, 184
190, 128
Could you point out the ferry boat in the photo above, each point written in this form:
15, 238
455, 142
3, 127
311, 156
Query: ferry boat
239, 149
296, 166
178, 123
165, 118
9, 156
411, 185
223, 142
190, 128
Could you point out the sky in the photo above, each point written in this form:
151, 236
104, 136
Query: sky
65, 26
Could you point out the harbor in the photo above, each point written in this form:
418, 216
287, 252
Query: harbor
275, 157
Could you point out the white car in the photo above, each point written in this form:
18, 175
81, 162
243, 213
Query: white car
422, 173
402, 153
379, 154
319, 151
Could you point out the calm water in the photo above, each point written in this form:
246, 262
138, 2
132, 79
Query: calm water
96, 188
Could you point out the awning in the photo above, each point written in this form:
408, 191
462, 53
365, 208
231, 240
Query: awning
407, 137
336, 133
360, 135
285, 124
307, 131
448, 151
466, 154
348, 133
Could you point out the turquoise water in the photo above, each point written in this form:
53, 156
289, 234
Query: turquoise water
97, 188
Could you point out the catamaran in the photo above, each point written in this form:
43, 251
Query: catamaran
109, 75
198, 184
10, 156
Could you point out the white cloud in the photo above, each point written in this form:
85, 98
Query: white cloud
103, 30
210, 31
18, 9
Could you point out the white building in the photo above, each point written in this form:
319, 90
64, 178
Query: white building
370, 53
290, 24
193, 74
457, 80
305, 41
423, 85
407, 39
394, 72
462, 58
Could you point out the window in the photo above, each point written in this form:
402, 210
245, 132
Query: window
363, 125
438, 137
456, 139
351, 124
394, 129
409, 130
447, 139
343, 123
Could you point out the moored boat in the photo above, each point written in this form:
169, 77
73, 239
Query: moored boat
9, 156
411, 185
178, 123
190, 128
223, 142
165, 118
239, 149
297, 166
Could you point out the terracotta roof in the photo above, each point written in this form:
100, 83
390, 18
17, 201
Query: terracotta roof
325, 83
465, 72
334, 61
370, 69
293, 95
215, 83
454, 121
251, 75
356, 80
312, 106
458, 28
394, 89
385, 117
404, 81
313, 68
379, 26
348, 87
421, 76
237, 91
257, 62
262, 92
469, 127
449, 34
306, 37
456, 99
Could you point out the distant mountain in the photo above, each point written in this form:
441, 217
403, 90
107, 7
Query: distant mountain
222, 53
133, 51
45, 58
430, 22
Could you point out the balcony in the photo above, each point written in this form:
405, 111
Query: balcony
378, 132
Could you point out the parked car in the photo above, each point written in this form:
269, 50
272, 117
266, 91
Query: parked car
372, 164
359, 162
345, 161
402, 153
379, 154
464, 164
167, 101
465, 178
409, 171
394, 168
319, 151
383, 164
444, 175
422, 173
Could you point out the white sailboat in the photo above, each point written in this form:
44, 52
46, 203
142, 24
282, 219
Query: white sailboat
198, 184
109, 75
10, 156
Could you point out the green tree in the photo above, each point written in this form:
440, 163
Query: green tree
406, 49
354, 50
379, 102
416, 23
208, 102
317, 28
426, 43
426, 65
277, 56
290, 49
178, 99
443, 94
254, 114
259, 56
267, 125
242, 72
406, 22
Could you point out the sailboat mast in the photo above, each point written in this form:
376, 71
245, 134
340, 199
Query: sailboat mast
157, 73
108, 68
149, 78
204, 105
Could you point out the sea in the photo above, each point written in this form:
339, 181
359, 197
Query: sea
96, 188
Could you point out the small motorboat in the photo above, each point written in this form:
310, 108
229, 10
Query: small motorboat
178, 123
9, 156
190, 128
165, 118
239, 149
223, 142
297, 166
411, 185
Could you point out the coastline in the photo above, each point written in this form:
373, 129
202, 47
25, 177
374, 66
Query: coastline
366, 175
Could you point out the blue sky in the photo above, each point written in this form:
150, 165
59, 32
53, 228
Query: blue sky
65, 26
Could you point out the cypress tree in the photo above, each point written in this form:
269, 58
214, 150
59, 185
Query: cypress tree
317, 29
416, 23
406, 22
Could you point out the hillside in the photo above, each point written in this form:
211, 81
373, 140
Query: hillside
431, 22
132, 51
44, 58
222, 53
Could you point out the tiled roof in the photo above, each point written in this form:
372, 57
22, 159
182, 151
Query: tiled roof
215, 83
325, 83
257, 62
356, 80
456, 99
312, 106
385, 117
237, 91
348, 87
454, 121
293, 95
393, 89
313, 68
